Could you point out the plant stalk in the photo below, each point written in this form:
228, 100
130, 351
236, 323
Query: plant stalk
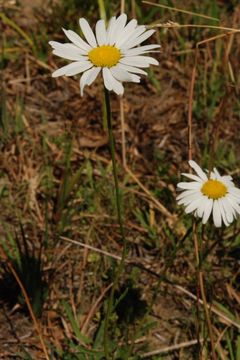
200, 286
120, 267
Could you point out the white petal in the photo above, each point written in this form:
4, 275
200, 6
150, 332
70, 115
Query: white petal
67, 49
101, 33
235, 191
227, 181
126, 33
188, 198
107, 79
118, 28
193, 206
132, 69
88, 77
111, 83
121, 21
201, 207
229, 211
217, 218
131, 39
207, 210
232, 200
223, 213
198, 170
66, 54
193, 177
111, 27
213, 176
186, 193
87, 32
216, 173
72, 69
227, 177
140, 50
136, 78
77, 40
139, 61
189, 185
120, 74
133, 42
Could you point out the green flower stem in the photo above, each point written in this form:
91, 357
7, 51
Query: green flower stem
120, 267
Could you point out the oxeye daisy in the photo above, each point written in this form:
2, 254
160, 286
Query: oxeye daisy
210, 193
114, 51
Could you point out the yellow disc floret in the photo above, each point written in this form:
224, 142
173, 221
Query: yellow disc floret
104, 56
214, 189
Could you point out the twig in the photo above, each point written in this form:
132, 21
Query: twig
86, 246
174, 25
161, 207
190, 105
94, 309
181, 10
122, 9
210, 307
170, 348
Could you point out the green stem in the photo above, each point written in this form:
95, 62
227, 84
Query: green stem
102, 10
120, 267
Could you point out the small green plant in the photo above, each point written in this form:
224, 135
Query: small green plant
27, 263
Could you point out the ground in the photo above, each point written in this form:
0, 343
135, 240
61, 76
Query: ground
56, 187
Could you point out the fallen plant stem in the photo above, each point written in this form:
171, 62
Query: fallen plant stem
170, 348
176, 25
161, 207
181, 10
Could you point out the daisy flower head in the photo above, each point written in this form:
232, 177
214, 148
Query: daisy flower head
209, 192
112, 50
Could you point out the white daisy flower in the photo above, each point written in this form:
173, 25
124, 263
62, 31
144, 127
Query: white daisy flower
114, 51
210, 193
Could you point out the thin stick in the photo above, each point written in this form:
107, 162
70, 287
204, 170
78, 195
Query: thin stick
170, 348
122, 6
190, 105
161, 207
94, 309
176, 25
180, 10
224, 317
86, 246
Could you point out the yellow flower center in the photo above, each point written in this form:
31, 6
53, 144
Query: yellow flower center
104, 56
214, 189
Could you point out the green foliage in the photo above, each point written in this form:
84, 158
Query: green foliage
28, 266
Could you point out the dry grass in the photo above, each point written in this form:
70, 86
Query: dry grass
55, 183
